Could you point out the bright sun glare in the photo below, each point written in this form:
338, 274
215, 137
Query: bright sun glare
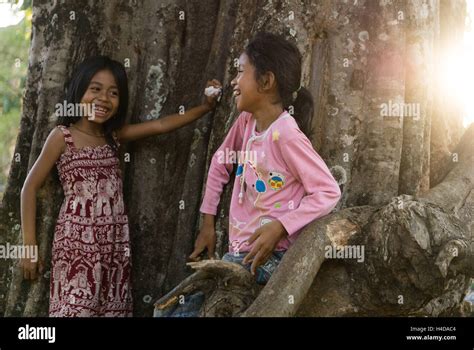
9, 13
457, 70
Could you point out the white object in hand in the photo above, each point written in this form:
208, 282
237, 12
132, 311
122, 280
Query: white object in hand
213, 91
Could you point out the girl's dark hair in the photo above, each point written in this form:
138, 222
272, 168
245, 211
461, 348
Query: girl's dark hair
79, 83
272, 53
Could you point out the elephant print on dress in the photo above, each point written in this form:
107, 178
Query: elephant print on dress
83, 193
105, 193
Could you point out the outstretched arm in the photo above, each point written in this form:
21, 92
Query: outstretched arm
168, 123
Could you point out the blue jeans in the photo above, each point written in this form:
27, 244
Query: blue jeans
263, 272
193, 302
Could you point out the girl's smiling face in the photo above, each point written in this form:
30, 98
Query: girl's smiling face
104, 94
245, 86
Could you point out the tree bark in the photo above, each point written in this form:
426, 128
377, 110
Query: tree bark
420, 255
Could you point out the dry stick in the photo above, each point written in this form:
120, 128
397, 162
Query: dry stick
205, 270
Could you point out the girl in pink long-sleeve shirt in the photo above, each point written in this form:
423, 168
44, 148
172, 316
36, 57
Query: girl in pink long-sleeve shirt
281, 183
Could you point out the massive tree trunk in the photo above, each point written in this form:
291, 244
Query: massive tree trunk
419, 256
358, 56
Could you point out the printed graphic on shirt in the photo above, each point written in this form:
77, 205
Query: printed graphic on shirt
260, 186
276, 181
240, 169
275, 135
237, 224
236, 246
255, 178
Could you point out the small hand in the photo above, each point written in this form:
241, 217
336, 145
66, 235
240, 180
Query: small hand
31, 269
266, 239
211, 101
205, 239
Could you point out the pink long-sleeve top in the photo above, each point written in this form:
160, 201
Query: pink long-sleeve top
279, 177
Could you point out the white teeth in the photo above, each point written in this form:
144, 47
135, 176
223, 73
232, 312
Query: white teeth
101, 109
236, 93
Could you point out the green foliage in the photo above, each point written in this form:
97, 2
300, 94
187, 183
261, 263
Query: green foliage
14, 45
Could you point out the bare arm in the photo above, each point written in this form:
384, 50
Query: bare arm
168, 123
52, 150
163, 125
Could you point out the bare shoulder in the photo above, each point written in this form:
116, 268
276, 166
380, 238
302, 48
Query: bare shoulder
52, 150
55, 141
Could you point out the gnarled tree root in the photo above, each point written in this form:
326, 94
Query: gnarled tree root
228, 288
